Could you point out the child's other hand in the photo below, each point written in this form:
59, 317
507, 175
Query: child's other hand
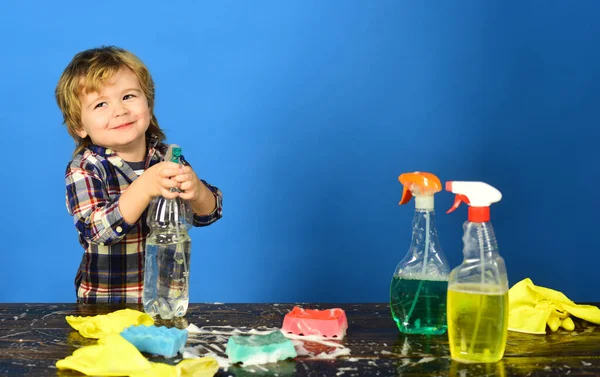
191, 187
158, 179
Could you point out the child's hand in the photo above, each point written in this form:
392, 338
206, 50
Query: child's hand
158, 180
191, 187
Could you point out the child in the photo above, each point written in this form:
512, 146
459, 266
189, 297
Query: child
106, 96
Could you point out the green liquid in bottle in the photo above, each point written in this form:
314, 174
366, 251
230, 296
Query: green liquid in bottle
424, 315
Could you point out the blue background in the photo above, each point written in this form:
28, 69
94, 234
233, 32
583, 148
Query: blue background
304, 113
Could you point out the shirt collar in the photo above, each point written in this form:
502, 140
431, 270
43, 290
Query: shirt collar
104, 152
107, 152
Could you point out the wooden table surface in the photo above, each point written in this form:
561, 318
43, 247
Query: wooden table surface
34, 336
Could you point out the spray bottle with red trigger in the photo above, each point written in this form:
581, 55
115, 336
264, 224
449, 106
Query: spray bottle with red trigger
478, 288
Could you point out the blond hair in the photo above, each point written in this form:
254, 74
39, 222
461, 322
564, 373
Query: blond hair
87, 73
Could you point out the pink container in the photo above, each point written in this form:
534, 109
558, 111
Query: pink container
330, 323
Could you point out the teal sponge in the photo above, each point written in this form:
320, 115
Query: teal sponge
259, 349
156, 340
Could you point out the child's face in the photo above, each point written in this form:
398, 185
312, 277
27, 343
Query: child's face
118, 116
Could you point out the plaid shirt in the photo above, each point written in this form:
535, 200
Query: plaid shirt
112, 267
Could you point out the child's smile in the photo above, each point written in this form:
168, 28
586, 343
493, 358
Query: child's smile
123, 126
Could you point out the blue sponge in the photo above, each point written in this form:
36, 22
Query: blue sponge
156, 340
259, 349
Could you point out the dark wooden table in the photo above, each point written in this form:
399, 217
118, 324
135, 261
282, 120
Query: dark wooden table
34, 336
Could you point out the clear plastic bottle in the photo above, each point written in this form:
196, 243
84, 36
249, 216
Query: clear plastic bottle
478, 288
167, 260
419, 285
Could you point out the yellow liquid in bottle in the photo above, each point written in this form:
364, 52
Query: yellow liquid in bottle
477, 322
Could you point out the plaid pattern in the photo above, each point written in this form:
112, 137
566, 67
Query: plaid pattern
112, 267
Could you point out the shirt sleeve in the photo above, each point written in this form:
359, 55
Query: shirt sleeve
96, 216
216, 214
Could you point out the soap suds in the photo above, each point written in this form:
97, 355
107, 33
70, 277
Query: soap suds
212, 341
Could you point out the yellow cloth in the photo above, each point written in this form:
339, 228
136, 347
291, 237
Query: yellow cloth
103, 324
112, 356
202, 367
115, 356
531, 308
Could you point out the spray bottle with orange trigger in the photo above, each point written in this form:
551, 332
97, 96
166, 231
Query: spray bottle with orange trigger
420, 282
478, 288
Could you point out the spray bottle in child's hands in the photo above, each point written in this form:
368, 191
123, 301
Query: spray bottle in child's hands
419, 285
478, 288
168, 247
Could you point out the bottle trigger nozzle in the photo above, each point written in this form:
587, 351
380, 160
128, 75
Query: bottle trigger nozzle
458, 200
